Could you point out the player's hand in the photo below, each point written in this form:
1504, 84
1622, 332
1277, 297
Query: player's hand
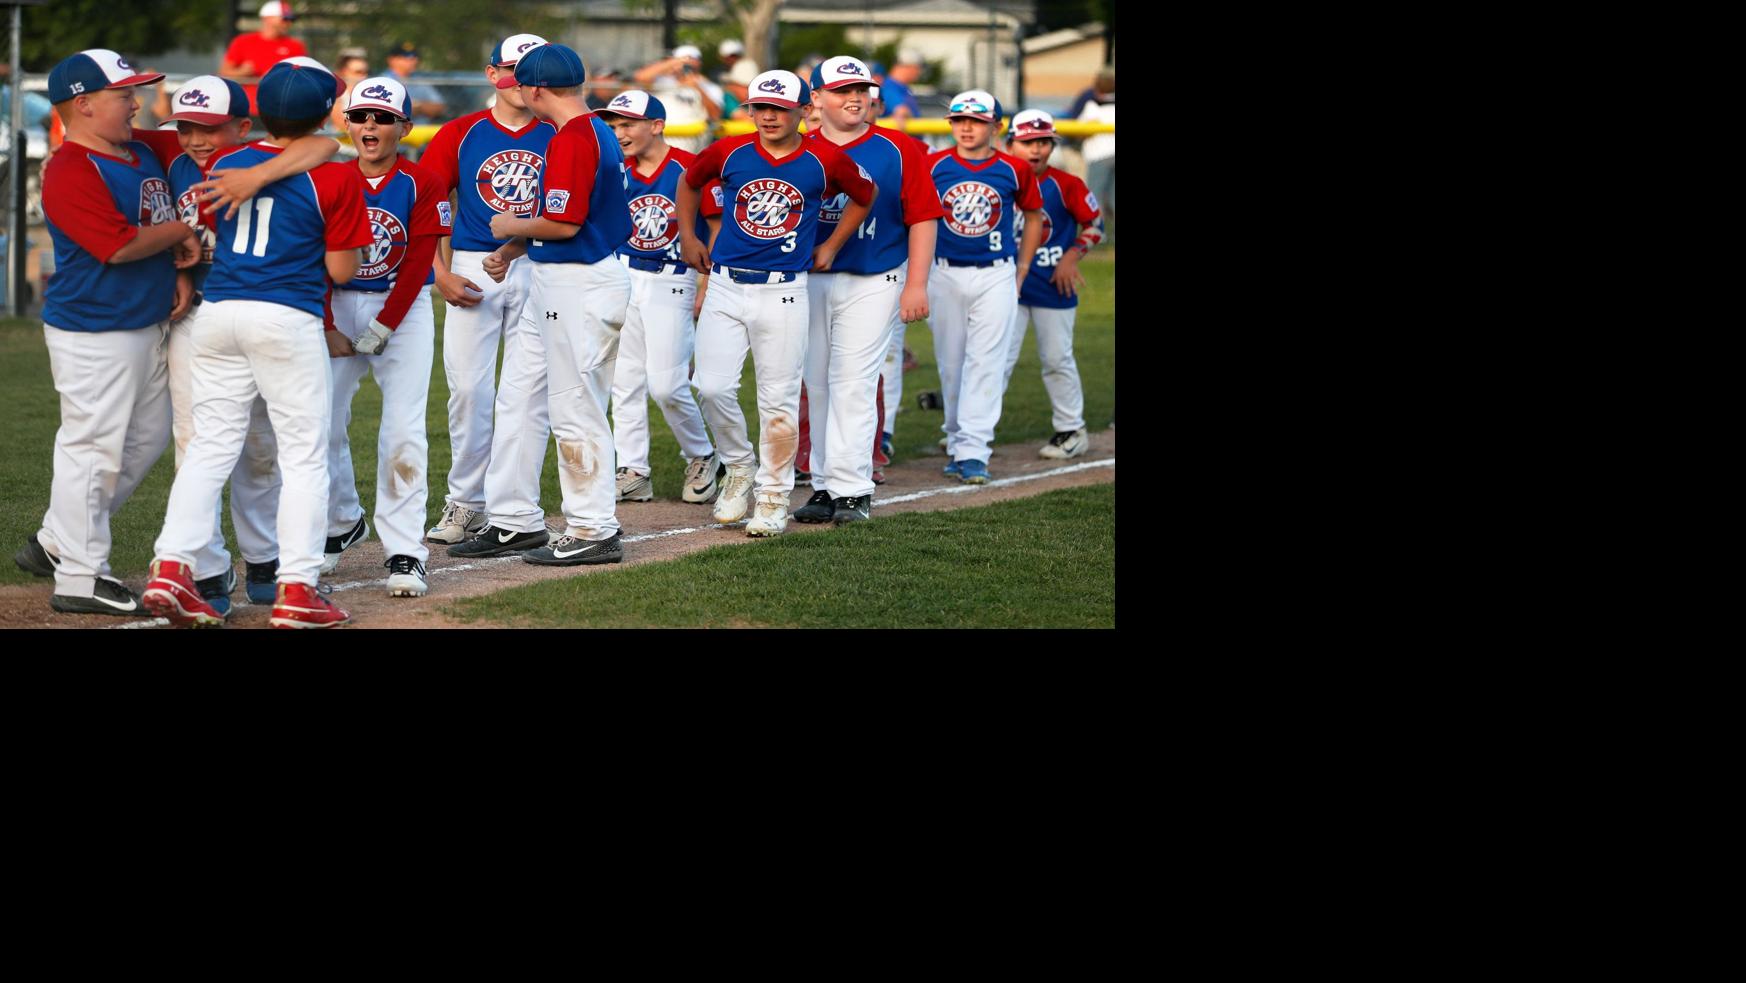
694, 252
822, 256
1067, 278
505, 225
458, 290
495, 266
184, 297
372, 339
338, 345
229, 187
912, 304
187, 252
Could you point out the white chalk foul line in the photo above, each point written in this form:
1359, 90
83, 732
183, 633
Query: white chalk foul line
1108, 462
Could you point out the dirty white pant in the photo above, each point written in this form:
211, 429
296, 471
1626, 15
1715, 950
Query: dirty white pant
580, 310
848, 337
654, 362
893, 370
971, 314
1055, 350
770, 321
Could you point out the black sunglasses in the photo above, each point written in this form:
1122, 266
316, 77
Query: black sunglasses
381, 116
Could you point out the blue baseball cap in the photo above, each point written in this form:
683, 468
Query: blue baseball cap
550, 66
635, 104
92, 70
298, 88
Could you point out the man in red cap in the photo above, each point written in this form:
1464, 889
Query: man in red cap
250, 55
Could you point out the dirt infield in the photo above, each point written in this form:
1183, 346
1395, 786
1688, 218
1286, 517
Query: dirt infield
653, 531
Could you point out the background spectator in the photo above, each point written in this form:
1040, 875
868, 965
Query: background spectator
894, 85
603, 86
351, 69
678, 81
250, 55
738, 72
427, 102
1100, 148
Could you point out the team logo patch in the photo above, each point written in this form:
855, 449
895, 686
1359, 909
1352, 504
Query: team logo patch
194, 98
445, 215
773, 85
379, 92
768, 209
509, 181
156, 204
387, 246
972, 208
557, 201
832, 209
622, 102
188, 210
1091, 199
716, 193
654, 222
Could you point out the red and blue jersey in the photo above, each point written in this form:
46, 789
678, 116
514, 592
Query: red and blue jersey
1067, 205
492, 168
95, 204
401, 206
979, 199
770, 205
654, 209
274, 248
184, 175
899, 166
583, 184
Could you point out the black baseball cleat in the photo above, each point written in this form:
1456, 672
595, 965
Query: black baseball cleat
109, 597
496, 542
262, 581
569, 551
853, 508
817, 509
35, 560
339, 544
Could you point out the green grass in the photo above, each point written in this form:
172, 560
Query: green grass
35, 412
1041, 562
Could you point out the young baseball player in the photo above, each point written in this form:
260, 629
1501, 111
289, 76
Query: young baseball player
388, 301
106, 318
881, 270
1072, 224
260, 333
774, 185
974, 289
491, 161
654, 349
580, 292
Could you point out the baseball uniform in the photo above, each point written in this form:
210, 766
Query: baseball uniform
492, 170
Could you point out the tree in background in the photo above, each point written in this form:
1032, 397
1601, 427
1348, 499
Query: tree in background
448, 33
54, 31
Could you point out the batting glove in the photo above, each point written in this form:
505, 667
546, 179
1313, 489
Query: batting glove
374, 338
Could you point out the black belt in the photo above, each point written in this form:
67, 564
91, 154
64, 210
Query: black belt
656, 265
756, 276
978, 266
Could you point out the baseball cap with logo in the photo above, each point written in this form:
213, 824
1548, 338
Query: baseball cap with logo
551, 66
975, 104
298, 88
1033, 124
209, 101
778, 88
835, 73
635, 104
381, 92
274, 8
91, 70
510, 49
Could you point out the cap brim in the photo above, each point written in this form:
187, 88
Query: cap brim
133, 80
778, 103
204, 119
844, 83
507, 81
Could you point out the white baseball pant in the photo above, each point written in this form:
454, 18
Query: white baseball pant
115, 423
770, 321
654, 362
254, 482
893, 370
244, 349
971, 316
496, 468
402, 372
581, 310
849, 334
1055, 350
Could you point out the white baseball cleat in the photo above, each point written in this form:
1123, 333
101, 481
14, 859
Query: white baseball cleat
634, 487
770, 519
736, 493
701, 476
458, 524
406, 577
1066, 444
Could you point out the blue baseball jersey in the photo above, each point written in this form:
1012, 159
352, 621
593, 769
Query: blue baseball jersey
654, 209
1067, 204
95, 204
274, 249
491, 168
583, 184
979, 198
771, 205
398, 210
898, 166
184, 174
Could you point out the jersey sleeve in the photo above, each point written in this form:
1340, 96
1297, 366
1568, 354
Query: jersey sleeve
707, 166
714, 200
166, 146
426, 218
441, 159
1030, 195
571, 165
340, 191
846, 176
1082, 203
921, 203
77, 201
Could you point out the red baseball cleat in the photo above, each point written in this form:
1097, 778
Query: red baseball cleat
299, 606
171, 594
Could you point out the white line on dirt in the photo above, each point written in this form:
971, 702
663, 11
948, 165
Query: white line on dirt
1108, 462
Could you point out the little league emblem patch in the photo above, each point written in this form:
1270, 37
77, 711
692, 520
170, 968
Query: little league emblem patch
156, 205
557, 201
653, 222
509, 181
832, 209
972, 208
768, 208
387, 246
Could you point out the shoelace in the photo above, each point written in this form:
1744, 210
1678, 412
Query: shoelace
404, 564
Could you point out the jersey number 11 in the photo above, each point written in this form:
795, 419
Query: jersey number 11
245, 219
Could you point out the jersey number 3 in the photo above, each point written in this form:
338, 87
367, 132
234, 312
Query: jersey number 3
245, 218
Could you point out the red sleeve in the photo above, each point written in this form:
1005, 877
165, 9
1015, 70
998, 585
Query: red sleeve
572, 160
921, 203
77, 202
238, 52
166, 146
707, 166
844, 175
1078, 198
714, 200
425, 195
410, 279
1030, 197
441, 158
339, 190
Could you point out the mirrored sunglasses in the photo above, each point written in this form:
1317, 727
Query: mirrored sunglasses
361, 116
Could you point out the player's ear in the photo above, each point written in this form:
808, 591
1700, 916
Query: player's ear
243, 126
659, 126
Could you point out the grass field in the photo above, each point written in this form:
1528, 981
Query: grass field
26, 473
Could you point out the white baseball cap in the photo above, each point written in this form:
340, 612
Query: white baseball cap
777, 88
730, 47
209, 101
1032, 124
835, 73
688, 51
975, 104
909, 56
510, 49
381, 92
635, 104
274, 8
